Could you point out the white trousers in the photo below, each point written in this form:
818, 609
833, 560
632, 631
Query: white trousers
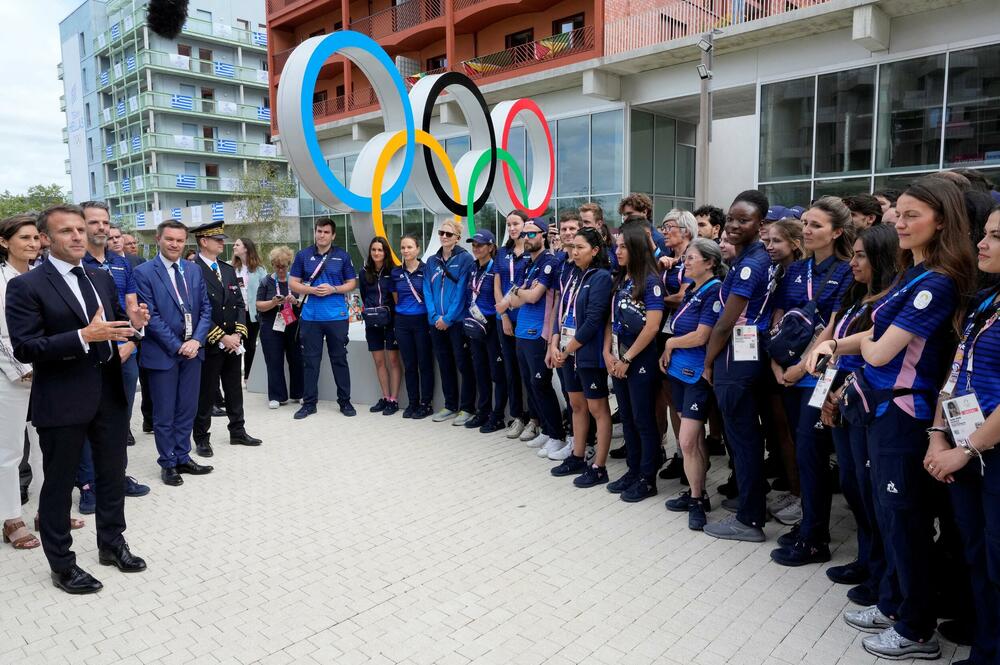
13, 417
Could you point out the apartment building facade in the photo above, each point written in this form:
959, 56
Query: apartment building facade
809, 97
166, 128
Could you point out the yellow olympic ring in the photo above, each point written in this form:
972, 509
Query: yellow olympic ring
393, 146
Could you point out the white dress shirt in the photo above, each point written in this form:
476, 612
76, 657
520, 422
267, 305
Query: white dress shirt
74, 286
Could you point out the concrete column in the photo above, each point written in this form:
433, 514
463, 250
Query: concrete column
345, 18
449, 33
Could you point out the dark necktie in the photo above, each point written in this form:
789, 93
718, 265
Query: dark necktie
90, 300
181, 286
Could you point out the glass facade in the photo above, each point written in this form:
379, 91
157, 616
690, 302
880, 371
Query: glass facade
589, 167
879, 126
661, 161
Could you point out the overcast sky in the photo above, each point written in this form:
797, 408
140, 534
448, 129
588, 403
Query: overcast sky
30, 120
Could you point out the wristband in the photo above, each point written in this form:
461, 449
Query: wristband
930, 430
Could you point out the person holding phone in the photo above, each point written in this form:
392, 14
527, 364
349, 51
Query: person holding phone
278, 315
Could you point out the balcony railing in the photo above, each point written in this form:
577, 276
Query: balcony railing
548, 49
170, 142
217, 31
681, 18
217, 69
180, 182
402, 17
62, 102
280, 58
278, 5
59, 71
183, 104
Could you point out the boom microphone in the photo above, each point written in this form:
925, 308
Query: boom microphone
166, 17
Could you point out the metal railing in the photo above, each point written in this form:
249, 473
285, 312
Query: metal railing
194, 26
59, 71
525, 55
278, 5
402, 17
677, 19
280, 58
220, 147
170, 181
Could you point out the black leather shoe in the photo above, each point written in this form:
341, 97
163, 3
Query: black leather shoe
147, 427
75, 580
243, 439
171, 477
617, 453
194, 468
217, 412
348, 409
121, 558
204, 449
130, 441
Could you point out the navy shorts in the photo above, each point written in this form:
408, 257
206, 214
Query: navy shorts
594, 381
568, 376
692, 400
381, 338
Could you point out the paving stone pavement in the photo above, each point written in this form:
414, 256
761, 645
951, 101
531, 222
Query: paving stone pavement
381, 540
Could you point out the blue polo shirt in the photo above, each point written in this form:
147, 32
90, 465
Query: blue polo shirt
409, 287
377, 293
531, 316
924, 309
699, 307
337, 271
829, 280
652, 300
748, 277
120, 270
480, 288
984, 379
673, 279
510, 269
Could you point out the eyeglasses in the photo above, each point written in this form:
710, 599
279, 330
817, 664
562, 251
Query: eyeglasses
669, 226
530, 235
446, 234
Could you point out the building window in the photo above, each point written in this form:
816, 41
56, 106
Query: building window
203, 15
90, 149
319, 96
184, 49
437, 62
910, 113
972, 131
83, 44
339, 90
573, 156
93, 185
243, 24
786, 129
568, 24
339, 25
86, 114
321, 31
845, 107
519, 38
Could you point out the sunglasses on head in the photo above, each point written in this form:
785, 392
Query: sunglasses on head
531, 234
446, 234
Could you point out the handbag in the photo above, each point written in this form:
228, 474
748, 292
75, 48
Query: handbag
797, 327
379, 316
859, 401
473, 328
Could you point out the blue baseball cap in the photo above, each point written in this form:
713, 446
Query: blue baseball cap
996, 195
795, 211
542, 225
483, 237
774, 213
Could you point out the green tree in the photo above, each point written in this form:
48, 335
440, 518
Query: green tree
263, 191
37, 198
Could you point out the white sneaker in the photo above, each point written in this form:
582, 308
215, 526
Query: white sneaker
551, 446
273, 404
529, 432
461, 418
538, 441
563, 452
791, 513
617, 432
443, 415
780, 502
590, 454
514, 429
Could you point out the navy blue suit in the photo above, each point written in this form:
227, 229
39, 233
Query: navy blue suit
173, 379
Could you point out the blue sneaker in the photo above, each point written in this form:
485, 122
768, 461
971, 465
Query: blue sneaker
698, 514
570, 466
623, 483
593, 476
643, 488
134, 488
88, 501
801, 554
304, 412
680, 503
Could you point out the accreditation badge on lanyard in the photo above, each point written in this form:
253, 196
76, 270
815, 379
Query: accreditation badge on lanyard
568, 332
618, 350
745, 343
822, 389
188, 318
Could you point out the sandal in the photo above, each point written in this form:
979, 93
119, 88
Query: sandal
74, 523
26, 541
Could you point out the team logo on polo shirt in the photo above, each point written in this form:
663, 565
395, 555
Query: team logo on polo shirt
656, 291
923, 299
798, 280
745, 273
548, 269
694, 407
717, 307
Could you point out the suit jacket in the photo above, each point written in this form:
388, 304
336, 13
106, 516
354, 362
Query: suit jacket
165, 330
229, 312
44, 319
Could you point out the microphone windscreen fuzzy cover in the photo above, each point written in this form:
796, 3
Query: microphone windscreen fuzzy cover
166, 17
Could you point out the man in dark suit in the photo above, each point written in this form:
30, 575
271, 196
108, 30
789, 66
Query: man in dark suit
225, 341
130, 249
65, 320
180, 317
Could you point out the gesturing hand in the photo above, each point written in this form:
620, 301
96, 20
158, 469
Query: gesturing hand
99, 330
139, 316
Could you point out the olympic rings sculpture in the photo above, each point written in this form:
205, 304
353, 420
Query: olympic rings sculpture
391, 156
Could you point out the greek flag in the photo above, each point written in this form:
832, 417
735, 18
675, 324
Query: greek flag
185, 181
182, 102
263, 113
140, 220
105, 78
126, 185
109, 152
130, 63
116, 31
260, 39
218, 212
136, 143
176, 213
121, 108
225, 146
225, 69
